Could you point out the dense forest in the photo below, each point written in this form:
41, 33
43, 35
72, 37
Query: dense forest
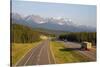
23, 34
79, 37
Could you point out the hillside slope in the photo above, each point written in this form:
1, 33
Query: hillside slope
23, 34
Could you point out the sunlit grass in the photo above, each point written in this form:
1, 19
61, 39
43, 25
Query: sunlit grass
66, 56
19, 49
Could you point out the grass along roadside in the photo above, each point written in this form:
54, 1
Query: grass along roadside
66, 56
19, 49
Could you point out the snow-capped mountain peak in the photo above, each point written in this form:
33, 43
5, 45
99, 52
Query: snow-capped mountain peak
55, 23
35, 18
61, 23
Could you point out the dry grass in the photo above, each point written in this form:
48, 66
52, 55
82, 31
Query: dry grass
18, 50
63, 56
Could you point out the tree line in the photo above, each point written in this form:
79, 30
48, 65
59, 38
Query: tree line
79, 37
23, 34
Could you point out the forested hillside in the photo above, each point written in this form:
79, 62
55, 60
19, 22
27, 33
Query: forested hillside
23, 34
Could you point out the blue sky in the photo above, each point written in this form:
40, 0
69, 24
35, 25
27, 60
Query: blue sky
79, 14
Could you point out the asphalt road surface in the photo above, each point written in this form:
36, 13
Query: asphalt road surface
76, 46
40, 55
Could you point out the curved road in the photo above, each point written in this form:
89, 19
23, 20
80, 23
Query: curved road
39, 55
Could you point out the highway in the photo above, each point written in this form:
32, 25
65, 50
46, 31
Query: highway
76, 47
43, 54
40, 55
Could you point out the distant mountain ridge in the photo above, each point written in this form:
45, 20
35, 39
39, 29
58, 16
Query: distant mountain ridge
52, 23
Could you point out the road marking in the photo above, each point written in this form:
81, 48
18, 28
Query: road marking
86, 53
48, 54
38, 59
25, 54
53, 55
31, 55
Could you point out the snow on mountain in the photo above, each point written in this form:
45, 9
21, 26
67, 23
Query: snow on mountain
55, 23
35, 18
59, 21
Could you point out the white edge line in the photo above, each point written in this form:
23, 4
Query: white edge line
23, 56
48, 55
53, 55
28, 58
30, 55
39, 55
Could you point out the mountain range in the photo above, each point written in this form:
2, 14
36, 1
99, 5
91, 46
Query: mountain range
52, 23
